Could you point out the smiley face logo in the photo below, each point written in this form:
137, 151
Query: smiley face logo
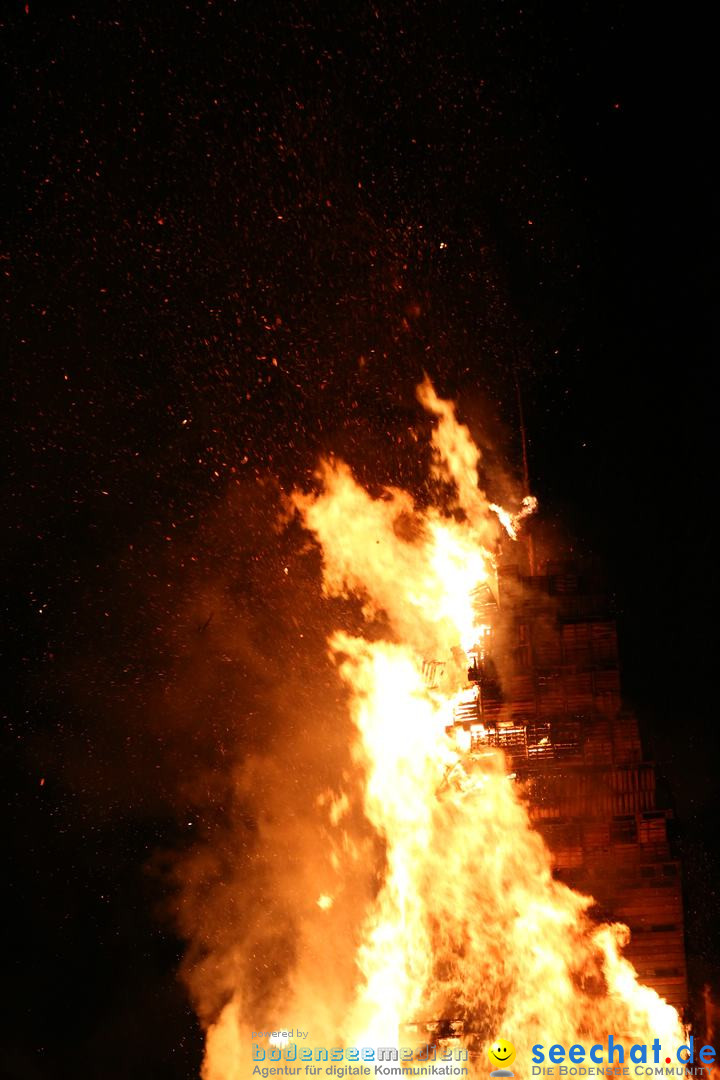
501, 1053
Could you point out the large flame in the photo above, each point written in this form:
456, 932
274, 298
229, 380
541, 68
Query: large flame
468, 920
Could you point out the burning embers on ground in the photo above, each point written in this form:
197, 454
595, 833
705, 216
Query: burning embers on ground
466, 920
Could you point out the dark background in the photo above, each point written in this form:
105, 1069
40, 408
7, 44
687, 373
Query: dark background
238, 235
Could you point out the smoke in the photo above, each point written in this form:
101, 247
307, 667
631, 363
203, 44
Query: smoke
271, 894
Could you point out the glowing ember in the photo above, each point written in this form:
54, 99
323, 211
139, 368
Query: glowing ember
468, 922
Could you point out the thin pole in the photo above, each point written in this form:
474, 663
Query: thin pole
526, 468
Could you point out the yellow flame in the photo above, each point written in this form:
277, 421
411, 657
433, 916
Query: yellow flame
468, 920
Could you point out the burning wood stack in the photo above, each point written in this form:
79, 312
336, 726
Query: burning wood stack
558, 715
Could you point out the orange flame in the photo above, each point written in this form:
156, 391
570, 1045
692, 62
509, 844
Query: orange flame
468, 920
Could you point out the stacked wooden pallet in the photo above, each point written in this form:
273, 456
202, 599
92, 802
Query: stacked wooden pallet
597, 740
595, 793
577, 690
625, 737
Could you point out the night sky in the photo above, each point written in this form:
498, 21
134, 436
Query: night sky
238, 235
